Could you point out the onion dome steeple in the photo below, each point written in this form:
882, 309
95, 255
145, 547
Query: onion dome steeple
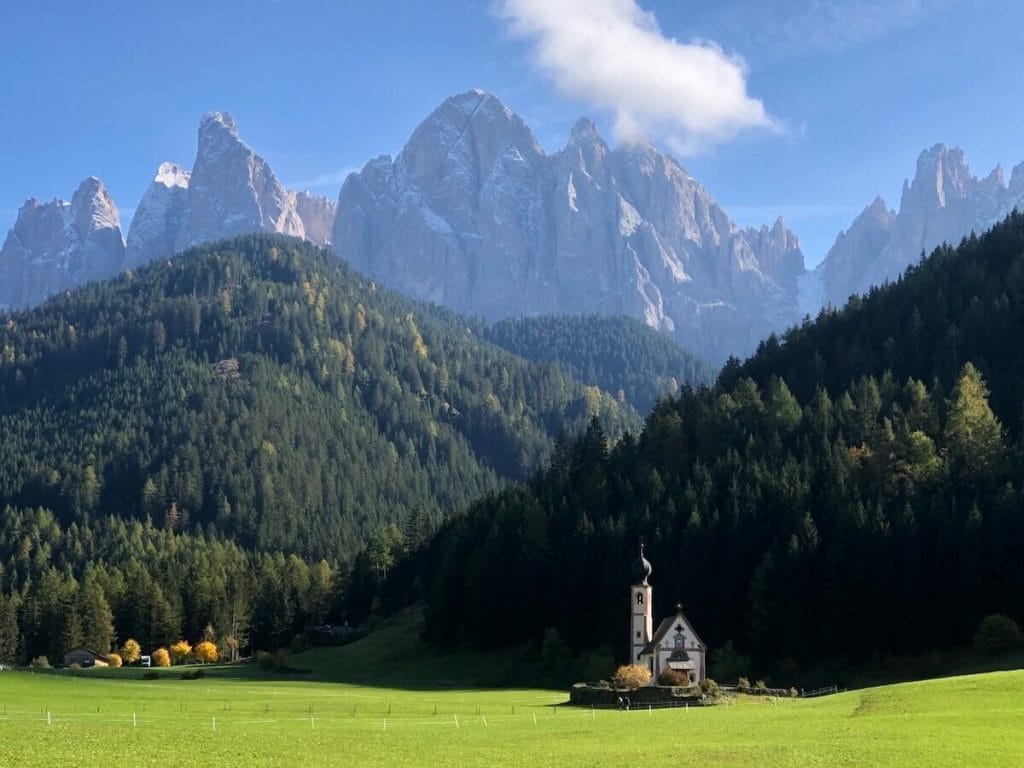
641, 569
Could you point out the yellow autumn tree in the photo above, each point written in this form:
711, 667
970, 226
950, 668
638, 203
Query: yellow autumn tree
973, 433
161, 658
206, 652
131, 650
180, 651
114, 659
632, 676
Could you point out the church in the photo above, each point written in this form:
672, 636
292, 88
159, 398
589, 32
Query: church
674, 645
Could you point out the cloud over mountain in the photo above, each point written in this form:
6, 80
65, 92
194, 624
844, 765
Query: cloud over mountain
612, 55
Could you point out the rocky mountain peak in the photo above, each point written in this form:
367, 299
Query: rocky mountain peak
58, 245
877, 208
584, 132
585, 148
215, 124
157, 220
995, 179
93, 209
475, 215
231, 190
1016, 186
472, 131
942, 175
943, 203
778, 251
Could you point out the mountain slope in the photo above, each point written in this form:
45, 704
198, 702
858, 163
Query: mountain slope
473, 214
833, 500
618, 354
259, 386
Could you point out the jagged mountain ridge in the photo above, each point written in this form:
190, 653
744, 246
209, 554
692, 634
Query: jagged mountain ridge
474, 214
230, 190
59, 245
943, 203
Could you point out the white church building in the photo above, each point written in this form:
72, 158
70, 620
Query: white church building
674, 645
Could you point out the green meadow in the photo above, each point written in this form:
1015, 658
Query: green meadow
116, 718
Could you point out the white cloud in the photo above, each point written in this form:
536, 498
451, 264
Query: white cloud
612, 55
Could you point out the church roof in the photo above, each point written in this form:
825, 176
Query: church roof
666, 626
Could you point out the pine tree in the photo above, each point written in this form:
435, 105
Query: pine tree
973, 433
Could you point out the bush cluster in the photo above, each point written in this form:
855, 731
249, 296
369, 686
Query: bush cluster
674, 678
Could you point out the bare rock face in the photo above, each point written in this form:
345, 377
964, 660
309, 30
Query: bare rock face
58, 245
232, 190
456, 217
854, 259
317, 215
943, 203
475, 215
157, 220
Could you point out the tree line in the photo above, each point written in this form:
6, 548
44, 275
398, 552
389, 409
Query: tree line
621, 355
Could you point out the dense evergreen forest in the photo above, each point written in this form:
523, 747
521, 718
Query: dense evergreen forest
620, 355
246, 399
108, 579
170, 445
853, 491
263, 388
959, 305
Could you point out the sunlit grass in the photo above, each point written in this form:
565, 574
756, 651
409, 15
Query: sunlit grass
63, 720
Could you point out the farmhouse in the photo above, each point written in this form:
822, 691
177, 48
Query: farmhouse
674, 645
84, 657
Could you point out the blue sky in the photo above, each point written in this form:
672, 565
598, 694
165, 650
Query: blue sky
815, 106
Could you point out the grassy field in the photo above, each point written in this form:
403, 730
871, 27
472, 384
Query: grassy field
385, 701
118, 719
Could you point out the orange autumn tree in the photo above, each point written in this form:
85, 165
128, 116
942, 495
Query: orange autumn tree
161, 658
205, 652
180, 651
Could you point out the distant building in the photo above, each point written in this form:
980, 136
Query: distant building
675, 644
84, 657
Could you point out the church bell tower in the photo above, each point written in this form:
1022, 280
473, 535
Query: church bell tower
642, 626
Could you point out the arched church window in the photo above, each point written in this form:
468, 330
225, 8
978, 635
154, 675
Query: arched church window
639, 598
679, 640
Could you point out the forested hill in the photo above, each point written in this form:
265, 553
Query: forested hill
847, 495
960, 304
620, 355
262, 390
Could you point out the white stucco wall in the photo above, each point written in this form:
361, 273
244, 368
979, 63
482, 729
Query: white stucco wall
642, 624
